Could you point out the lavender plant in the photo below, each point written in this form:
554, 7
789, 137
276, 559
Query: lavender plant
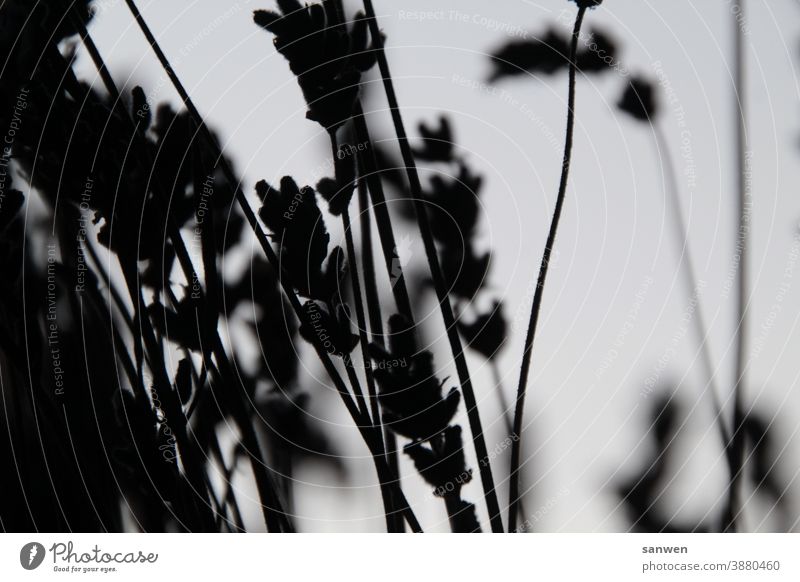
116, 214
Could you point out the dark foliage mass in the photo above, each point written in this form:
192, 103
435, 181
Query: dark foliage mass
92, 399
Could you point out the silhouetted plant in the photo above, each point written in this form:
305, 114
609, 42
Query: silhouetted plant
641, 493
640, 101
543, 268
117, 380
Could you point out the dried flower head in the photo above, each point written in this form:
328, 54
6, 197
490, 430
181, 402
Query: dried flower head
445, 469
454, 207
410, 394
437, 143
339, 190
327, 57
293, 216
639, 99
487, 334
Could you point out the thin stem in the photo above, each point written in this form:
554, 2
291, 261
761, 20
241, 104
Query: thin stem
208, 245
501, 397
358, 299
121, 307
387, 478
513, 491
507, 418
120, 351
689, 275
438, 277
369, 170
363, 341
228, 497
368, 265
112, 289
737, 444
375, 319
372, 436
360, 317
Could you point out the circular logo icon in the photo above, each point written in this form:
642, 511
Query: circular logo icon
31, 555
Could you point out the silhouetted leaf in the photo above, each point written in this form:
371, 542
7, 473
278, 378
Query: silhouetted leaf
437, 143
487, 333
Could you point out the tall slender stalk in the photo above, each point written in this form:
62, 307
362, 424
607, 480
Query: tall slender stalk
372, 298
508, 419
369, 170
361, 321
372, 393
438, 277
228, 497
737, 444
513, 490
371, 294
361, 422
358, 299
113, 292
501, 398
690, 276
120, 349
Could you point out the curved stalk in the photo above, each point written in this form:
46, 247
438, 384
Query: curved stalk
690, 277
737, 443
513, 491
440, 285
508, 419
